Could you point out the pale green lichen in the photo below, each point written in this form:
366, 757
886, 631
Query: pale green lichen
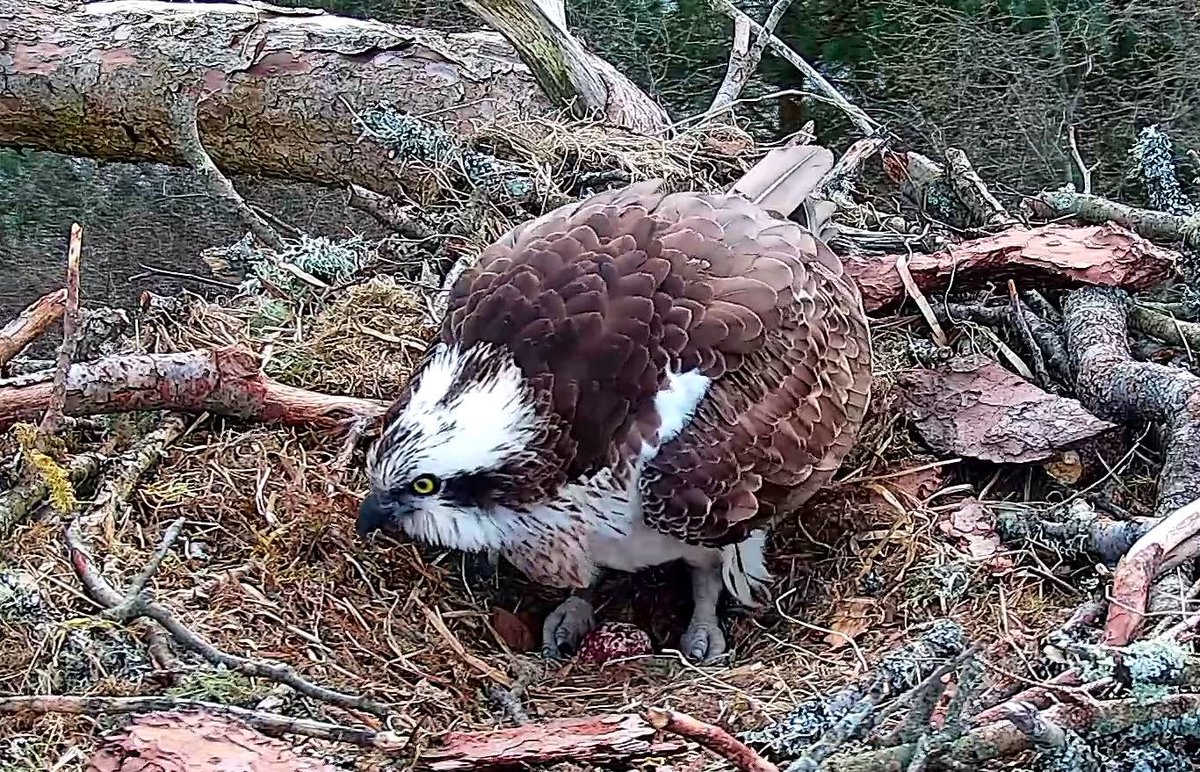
1154, 166
413, 138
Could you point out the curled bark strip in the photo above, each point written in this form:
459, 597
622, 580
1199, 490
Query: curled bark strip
227, 381
1116, 387
1049, 256
711, 737
589, 740
38, 317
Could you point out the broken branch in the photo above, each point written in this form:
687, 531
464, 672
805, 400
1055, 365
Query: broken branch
711, 737
38, 316
1150, 223
1116, 387
58, 389
227, 381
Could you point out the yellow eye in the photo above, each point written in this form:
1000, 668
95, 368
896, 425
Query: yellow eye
424, 485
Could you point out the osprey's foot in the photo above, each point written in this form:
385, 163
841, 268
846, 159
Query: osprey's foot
703, 641
565, 627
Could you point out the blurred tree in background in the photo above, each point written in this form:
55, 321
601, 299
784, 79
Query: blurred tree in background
1007, 80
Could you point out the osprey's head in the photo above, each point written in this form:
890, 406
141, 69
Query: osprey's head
447, 468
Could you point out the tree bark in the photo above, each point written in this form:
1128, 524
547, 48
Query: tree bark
279, 89
1050, 256
38, 317
227, 381
572, 76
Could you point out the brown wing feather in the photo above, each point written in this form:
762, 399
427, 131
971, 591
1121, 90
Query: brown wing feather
787, 401
596, 299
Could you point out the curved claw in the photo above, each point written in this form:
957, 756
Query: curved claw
566, 626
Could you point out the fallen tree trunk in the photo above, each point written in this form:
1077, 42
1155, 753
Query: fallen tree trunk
1050, 256
227, 381
279, 89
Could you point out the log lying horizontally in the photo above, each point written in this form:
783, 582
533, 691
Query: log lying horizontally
281, 86
226, 381
1050, 256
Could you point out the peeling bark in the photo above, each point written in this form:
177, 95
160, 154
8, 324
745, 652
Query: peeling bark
227, 381
1049, 256
278, 89
591, 740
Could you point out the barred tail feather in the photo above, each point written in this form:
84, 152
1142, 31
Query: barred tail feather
744, 569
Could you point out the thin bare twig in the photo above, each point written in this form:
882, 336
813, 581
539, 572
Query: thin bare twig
53, 418
107, 596
859, 118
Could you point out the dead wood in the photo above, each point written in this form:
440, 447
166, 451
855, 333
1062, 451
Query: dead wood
281, 89
1150, 223
973, 407
163, 710
970, 189
53, 418
226, 381
387, 211
1116, 387
18, 503
588, 740
1004, 738
183, 113
136, 604
1165, 328
744, 56
1049, 256
574, 78
31, 323
714, 738
860, 119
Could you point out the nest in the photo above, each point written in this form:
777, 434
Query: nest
270, 566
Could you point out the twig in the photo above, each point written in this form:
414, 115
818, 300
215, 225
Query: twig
31, 323
132, 465
1085, 171
183, 119
136, 595
387, 211
859, 118
1021, 323
714, 738
268, 723
103, 592
914, 292
53, 418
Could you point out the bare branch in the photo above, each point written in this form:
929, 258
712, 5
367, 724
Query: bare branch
58, 392
38, 316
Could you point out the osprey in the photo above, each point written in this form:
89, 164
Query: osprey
634, 379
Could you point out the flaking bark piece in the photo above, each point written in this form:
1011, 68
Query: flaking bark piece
975, 408
196, 742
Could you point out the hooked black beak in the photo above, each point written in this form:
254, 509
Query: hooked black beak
374, 513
